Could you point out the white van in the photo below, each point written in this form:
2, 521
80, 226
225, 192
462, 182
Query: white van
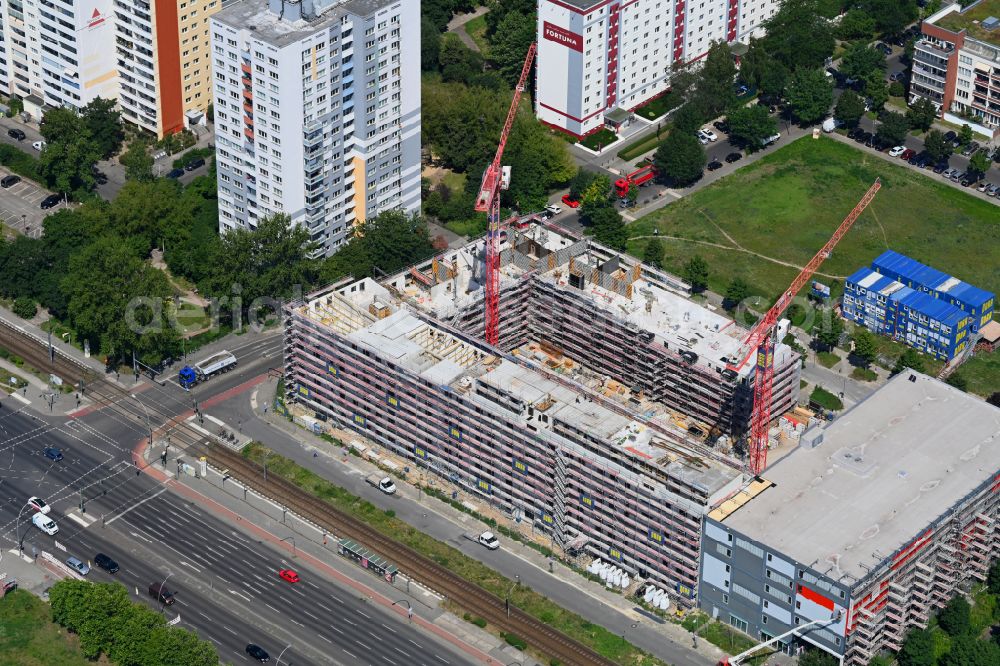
45, 524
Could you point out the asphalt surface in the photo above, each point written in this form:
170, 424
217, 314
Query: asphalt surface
226, 582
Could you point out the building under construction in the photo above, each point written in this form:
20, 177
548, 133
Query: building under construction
605, 416
867, 528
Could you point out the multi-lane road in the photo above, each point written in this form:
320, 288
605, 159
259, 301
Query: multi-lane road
225, 579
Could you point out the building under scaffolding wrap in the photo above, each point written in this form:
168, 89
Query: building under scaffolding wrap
603, 417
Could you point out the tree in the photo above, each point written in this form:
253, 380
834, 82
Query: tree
104, 123
607, 226
936, 145
715, 79
149, 214
965, 134
137, 161
737, 291
750, 125
810, 94
681, 158
850, 107
458, 62
430, 45
993, 577
60, 125
817, 657
970, 651
856, 24
918, 649
391, 241
908, 359
696, 273
652, 254
893, 127
830, 328
798, 36
865, 346
861, 60
958, 381
579, 183
632, 195
979, 162
115, 300
876, 90
922, 114
994, 400
688, 118
510, 43
891, 16
954, 618
597, 194
25, 307
760, 70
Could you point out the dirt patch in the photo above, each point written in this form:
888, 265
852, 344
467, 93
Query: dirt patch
434, 174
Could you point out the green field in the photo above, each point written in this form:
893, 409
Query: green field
477, 30
786, 205
28, 637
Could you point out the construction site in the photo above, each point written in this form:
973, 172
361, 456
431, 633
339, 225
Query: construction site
608, 414
873, 523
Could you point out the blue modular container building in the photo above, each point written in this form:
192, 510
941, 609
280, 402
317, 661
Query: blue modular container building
977, 302
888, 307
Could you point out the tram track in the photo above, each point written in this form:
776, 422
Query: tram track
107, 395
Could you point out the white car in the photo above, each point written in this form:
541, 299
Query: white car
39, 505
489, 540
702, 138
897, 151
709, 134
554, 209
39, 145
45, 524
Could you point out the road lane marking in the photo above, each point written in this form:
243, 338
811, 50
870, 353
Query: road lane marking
272, 607
241, 595
361, 612
190, 566
405, 654
137, 504
337, 630
229, 630
388, 627
350, 654
442, 659
325, 638
310, 615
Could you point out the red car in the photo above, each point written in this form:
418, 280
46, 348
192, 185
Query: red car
907, 154
289, 575
569, 202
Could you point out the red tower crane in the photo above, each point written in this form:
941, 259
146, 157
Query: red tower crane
760, 340
495, 179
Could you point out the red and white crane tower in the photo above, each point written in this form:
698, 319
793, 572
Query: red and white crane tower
495, 179
760, 340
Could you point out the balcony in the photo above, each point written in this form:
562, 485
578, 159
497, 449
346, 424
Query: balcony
248, 133
247, 95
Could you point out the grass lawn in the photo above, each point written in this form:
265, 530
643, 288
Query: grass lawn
454, 181
982, 372
636, 148
599, 140
825, 399
28, 637
477, 30
659, 106
827, 359
863, 375
600, 639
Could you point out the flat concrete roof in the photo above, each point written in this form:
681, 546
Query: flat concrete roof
883, 472
269, 27
971, 20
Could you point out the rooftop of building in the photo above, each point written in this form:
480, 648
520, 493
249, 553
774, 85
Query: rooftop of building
931, 278
283, 22
878, 476
582, 4
972, 20
924, 303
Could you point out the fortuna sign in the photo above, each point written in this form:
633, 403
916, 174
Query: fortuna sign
554, 33
95, 20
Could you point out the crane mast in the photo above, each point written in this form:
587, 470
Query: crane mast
495, 179
760, 339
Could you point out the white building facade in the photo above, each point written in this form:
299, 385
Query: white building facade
59, 51
317, 112
598, 55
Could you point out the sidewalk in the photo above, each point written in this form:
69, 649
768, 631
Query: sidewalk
262, 519
648, 631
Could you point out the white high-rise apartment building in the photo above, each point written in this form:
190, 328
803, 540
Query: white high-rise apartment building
317, 112
58, 52
595, 56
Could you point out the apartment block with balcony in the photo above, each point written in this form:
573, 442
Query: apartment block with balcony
317, 111
866, 529
956, 63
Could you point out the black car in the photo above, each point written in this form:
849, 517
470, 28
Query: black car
721, 126
258, 653
194, 164
175, 173
854, 132
734, 157
17, 134
884, 48
950, 135
863, 137
51, 201
52, 453
714, 164
100, 177
10, 181
940, 167
106, 563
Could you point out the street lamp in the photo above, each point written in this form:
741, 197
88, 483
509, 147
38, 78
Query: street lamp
17, 529
149, 426
409, 608
292, 540
282, 652
517, 579
160, 591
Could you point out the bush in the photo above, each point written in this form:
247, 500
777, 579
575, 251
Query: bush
19, 162
25, 308
479, 622
896, 89
516, 641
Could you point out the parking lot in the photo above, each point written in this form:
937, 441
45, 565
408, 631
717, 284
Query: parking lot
19, 206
